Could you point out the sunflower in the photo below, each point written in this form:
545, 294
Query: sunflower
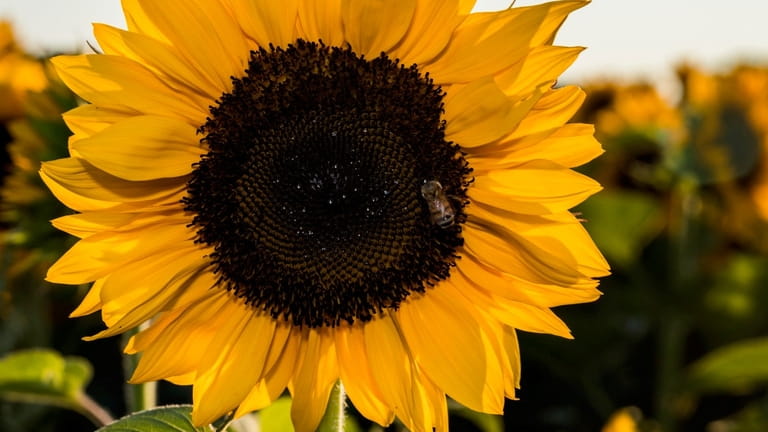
739, 100
308, 192
728, 122
637, 108
19, 75
25, 204
643, 133
623, 420
751, 83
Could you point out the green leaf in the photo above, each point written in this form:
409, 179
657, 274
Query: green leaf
277, 417
622, 223
174, 418
737, 367
43, 376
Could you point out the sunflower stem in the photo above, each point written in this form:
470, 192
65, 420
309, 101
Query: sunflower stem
95, 412
673, 326
143, 396
335, 413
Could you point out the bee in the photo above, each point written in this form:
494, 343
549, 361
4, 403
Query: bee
441, 212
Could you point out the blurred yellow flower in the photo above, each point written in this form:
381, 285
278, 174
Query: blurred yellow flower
306, 192
749, 86
728, 116
25, 204
19, 74
623, 420
640, 130
621, 108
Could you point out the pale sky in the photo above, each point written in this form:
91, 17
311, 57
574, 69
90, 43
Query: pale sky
625, 38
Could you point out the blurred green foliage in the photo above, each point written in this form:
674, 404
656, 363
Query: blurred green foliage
44, 374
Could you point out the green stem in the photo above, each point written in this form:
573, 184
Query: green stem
673, 326
670, 359
80, 403
95, 412
139, 397
335, 415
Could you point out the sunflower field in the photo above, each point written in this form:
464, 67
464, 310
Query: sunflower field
349, 215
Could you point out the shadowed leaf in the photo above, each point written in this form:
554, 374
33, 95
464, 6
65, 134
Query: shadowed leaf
163, 419
43, 376
736, 368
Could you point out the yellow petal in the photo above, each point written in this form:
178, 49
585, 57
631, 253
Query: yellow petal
216, 47
232, 368
87, 120
98, 255
91, 303
537, 187
138, 21
518, 289
268, 21
437, 19
358, 377
143, 148
520, 315
284, 352
553, 110
398, 377
120, 82
529, 318
146, 338
452, 349
321, 20
497, 340
486, 43
508, 253
507, 356
433, 399
182, 380
512, 351
480, 112
188, 285
314, 380
556, 14
465, 6
570, 145
83, 187
540, 250
84, 224
375, 26
152, 286
568, 230
286, 345
160, 58
179, 340
542, 64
